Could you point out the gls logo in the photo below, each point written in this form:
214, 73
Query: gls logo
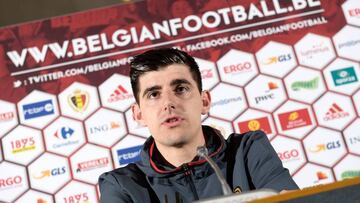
327, 146
276, 59
50, 172
129, 155
38, 109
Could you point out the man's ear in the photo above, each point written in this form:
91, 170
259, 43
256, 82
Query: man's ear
206, 102
137, 116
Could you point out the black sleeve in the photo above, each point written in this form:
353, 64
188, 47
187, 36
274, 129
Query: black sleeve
264, 166
110, 190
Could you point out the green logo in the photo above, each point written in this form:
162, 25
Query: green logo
350, 174
311, 84
344, 76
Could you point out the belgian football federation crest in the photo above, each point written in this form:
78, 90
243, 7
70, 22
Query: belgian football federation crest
79, 100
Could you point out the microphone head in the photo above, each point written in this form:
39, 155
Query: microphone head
202, 151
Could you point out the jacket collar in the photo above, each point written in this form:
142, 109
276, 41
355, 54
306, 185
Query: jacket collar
153, 163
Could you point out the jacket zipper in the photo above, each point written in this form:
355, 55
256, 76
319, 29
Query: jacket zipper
188, 178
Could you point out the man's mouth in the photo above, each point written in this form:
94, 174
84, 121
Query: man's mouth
173, 121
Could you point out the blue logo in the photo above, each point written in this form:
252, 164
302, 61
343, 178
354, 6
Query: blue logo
38, 109
129, 155
65, 132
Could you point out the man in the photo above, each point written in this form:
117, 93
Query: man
169, 100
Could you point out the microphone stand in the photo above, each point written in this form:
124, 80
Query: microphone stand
203, 152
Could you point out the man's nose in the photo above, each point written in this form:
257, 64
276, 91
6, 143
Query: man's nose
169, 101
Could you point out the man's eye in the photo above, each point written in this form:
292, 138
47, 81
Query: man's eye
181, 89
153, 95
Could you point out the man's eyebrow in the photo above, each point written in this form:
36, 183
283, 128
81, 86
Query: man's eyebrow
150, 89
179, 82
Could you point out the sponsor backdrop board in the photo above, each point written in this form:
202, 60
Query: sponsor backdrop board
290, 68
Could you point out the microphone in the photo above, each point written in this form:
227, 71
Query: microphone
229, 196
203, 152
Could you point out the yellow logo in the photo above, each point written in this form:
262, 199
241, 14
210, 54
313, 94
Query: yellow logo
79, 100
293, 116
237, 189
254, 125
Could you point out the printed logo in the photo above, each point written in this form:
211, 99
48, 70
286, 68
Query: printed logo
23, 145
310, 84
238, 68
315, 49
323, 147
294, 119
355, 140
344, 76
17, 83
50, 172
41, 201
350, 174
354, 12
348, 44
272, 86
226, 101
79, 100
289, 155
276, 59
335, 112
77, 198
129, 155
105, 127
255, 124
10, 182
320, 176
206, 73
92, 164
64, 133
261, 98
7, 116
120, 93
38, 109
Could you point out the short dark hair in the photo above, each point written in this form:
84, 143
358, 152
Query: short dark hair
157, 59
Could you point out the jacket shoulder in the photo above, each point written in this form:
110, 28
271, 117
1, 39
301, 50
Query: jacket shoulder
122, 184
246, 139
117, 176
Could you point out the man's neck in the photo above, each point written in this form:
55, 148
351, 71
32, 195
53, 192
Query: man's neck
179, 155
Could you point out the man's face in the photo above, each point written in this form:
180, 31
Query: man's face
170, 105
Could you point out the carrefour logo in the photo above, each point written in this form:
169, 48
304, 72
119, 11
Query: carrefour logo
38, 109
64, 133
344, 76
129, 155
